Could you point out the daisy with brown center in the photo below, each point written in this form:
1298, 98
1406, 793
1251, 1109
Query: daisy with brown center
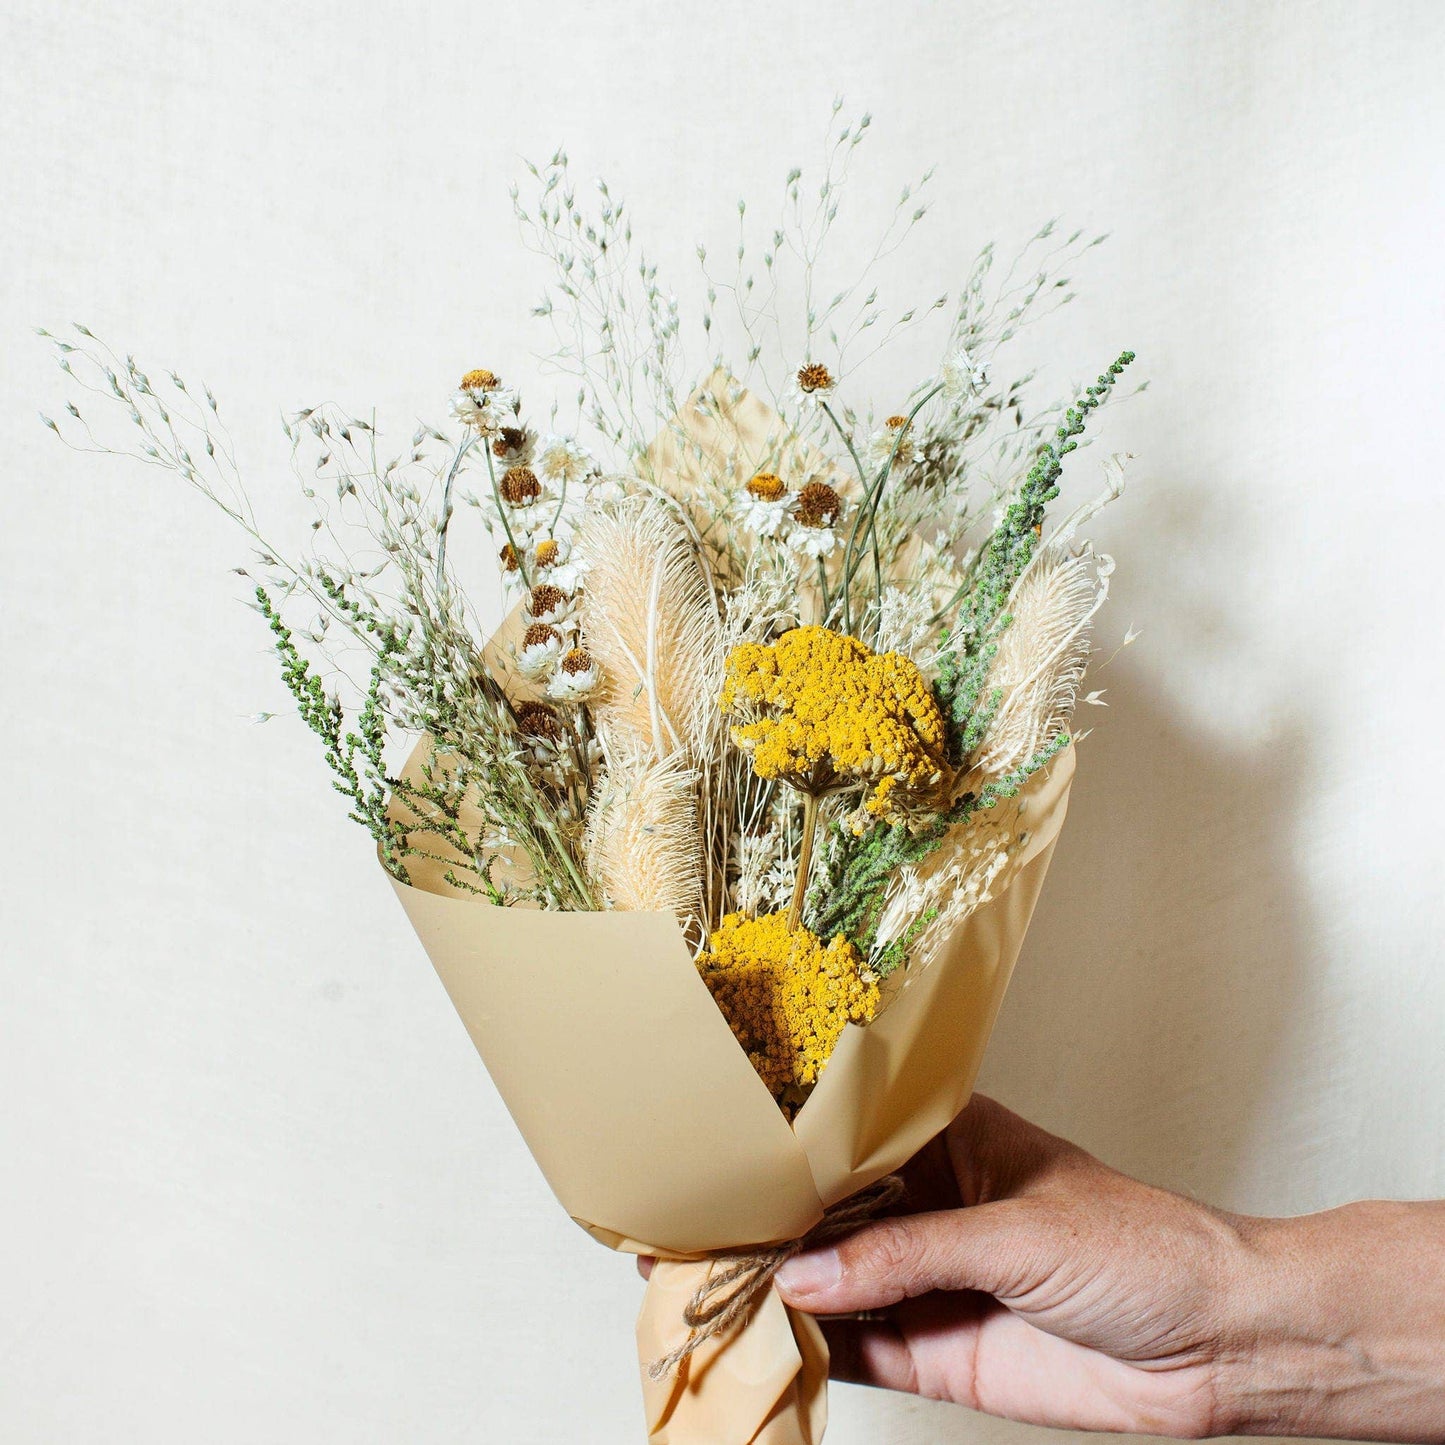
817, 511
541, 647
576, 676
519, 487
814, 381
550, 605
483, 403
766, 508
513, 445
525, 506
557, 564
892, 443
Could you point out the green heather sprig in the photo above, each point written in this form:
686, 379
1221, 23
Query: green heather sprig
368, 786
973, 640
848, 892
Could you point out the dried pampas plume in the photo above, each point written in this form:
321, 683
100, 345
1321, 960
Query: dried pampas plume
651, 620
641, 843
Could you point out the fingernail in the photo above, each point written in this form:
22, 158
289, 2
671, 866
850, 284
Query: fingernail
811, 1273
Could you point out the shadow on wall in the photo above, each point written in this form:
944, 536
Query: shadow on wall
1151, 1011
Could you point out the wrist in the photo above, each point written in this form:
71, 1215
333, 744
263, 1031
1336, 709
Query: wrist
1334, 1325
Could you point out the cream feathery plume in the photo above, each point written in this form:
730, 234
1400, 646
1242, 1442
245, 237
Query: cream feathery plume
1041, 656
651, 620
641, 842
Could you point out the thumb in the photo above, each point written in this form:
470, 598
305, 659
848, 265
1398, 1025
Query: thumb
999, 1249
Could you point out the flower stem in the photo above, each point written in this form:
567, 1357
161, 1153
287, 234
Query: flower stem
805, 860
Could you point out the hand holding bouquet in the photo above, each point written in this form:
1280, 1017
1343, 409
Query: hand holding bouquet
725, 844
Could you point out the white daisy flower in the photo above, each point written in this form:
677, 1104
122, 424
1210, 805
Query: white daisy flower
540, 650
565, 461
551, 605
817, 510
765, 509
962, 376
576, 677
529, 507
559, 564
484, 404
894, 439
513, 446
813, 383
552, 552
815, 542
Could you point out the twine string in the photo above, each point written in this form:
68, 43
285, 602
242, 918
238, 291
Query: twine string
737, 1282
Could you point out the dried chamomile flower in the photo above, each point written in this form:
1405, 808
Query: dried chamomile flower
484, 404
892, 443
817, 511
541, 648
766, 510
575, 678
565, 461
513, 445
550, 605
814, 382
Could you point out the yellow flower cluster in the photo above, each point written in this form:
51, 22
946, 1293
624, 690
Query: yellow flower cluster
786, 995
822, 712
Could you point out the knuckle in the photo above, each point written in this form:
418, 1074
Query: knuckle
883, 1251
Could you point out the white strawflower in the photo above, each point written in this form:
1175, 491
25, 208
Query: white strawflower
815, 542
817, 510
576, 677
513, 446
894, 439
765, 509
551, 605
540, 650
962, 376
813, 383
484, 404
565, 461
529, 507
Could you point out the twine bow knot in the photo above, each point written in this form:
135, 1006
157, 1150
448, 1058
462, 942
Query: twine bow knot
728, 1296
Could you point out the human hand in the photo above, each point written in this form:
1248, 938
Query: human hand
1035, 1283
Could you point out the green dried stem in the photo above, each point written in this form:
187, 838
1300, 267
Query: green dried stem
848, 894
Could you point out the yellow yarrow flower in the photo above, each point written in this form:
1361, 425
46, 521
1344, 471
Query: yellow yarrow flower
821, 712
786, 994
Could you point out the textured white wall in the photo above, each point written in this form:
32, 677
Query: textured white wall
255, 1184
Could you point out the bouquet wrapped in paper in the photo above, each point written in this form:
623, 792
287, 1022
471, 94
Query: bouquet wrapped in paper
725, 844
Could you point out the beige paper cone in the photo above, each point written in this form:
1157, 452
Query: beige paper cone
658, 1137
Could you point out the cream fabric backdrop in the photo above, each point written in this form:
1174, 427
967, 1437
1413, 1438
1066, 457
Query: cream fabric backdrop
252, 1169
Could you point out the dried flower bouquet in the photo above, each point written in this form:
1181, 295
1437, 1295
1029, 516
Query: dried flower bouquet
767, 678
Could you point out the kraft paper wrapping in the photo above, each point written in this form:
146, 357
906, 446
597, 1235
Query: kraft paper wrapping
657, 1136
648, 1120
